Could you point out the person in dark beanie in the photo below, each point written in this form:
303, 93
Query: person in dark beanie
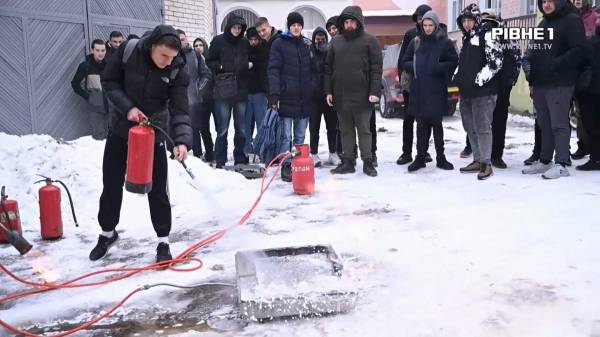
554, 71
86, 83
290, 86
319, 51
430, 59
207, 108
200, 76
353, 71
480, 60
409, 121
114, 41
257, 87
331, 26
144, 78
229, 62
589, 100
507, 78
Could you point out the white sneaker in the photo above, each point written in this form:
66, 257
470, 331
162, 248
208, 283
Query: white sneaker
317, 160
556, 172
334, 159
537, 168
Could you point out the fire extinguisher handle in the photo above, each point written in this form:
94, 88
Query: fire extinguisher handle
70, 201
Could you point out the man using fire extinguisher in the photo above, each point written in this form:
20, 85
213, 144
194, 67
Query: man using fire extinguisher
145, 79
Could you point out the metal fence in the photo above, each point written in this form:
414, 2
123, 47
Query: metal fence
525, 21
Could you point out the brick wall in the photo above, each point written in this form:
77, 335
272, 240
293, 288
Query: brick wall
195, 17
510, 8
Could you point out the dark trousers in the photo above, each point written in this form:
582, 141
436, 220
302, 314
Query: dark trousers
201, 128
331, 121
408, 124
499, 122
424, 128
372, 128
113, 178
355, 122
589, 105
552, 106
537, 134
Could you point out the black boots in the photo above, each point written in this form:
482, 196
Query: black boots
368, 168
499, 163
163, 253
443, 163
286, 172
419, 163
345, 167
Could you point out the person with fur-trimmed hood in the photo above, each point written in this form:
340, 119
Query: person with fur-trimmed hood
554, 71
480, 60
430, 59
353, 71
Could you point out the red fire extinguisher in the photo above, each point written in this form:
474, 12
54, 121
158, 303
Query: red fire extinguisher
50, 213
140, 157
9, 216
303, 170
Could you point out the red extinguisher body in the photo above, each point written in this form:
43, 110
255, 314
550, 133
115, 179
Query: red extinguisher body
140, 158
303, 170
10, 207
50, 213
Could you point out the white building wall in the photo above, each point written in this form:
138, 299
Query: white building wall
195, 17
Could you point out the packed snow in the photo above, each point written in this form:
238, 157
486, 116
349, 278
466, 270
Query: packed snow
431, 253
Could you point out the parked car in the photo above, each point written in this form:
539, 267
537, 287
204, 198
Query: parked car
391, 103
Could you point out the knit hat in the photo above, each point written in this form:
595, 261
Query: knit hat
294, 17
251, 32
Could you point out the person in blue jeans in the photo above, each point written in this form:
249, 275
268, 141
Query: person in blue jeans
229, 63
290, 75
256, 108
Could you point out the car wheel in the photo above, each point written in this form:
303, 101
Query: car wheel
385, 109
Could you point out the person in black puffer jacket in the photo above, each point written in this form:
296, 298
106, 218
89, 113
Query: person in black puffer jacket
554, 71
290, 85
229, 62
589, 101
143, 78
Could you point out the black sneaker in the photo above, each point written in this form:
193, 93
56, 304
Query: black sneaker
286, 172
466, 152
404, 159
579, 154
416, 165
163, 253
220, 165
428, 158
444, 164
368, 168
591, 165
531, 160
499, 163
104, 243
345, 167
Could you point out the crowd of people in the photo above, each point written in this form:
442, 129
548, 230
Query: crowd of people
336, 76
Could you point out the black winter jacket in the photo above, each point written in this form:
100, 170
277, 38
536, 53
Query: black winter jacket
434, 59
290, 76
592, 61
318, 64
558, 65
229, 54
257, 76
86, 68
140, 83
353, 66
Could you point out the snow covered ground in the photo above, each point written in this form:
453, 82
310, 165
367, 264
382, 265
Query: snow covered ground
433, 253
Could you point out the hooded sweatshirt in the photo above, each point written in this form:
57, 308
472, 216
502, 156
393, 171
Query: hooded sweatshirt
558, 65
480, 58
411, 33
139, 83
86, 82
319, 53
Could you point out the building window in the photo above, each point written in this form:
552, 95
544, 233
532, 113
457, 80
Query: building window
312, 20
248, 15
493, 4
528, 7
457, 7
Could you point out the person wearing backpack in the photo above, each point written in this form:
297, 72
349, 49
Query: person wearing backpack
480, 60
229, 62
507, 78
429, 59
143, 78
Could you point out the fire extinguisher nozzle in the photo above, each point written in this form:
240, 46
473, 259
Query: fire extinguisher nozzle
19, 242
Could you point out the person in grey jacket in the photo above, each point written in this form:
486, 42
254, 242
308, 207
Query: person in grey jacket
200, 76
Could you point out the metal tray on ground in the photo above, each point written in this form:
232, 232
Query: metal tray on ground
291, 281
250, 171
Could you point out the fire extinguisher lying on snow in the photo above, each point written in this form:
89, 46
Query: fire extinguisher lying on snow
50, 213
303, 170
140, 157
10, 224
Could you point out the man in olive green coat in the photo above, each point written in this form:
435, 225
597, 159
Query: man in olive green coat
353, 84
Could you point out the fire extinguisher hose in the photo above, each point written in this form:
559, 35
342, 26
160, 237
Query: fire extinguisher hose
185, 256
